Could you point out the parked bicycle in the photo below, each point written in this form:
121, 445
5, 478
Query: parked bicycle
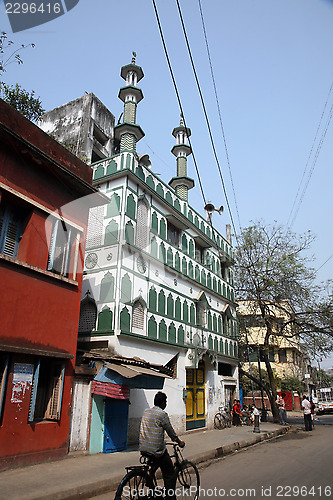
223, 418
140, 482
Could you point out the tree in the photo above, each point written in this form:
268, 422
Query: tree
24, 101
273, 274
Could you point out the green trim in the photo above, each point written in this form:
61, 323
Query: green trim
149, 339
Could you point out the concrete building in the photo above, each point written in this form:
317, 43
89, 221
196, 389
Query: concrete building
287, 356
84, 126
158, 286
42, 240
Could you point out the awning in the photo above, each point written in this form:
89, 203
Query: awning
36, 352
109, 390
133, 371
134, 377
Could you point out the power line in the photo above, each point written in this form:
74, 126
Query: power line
308, 160
178, 96
324, 263
219, 110
205, 113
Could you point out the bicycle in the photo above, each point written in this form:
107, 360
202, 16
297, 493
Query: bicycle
222, 418
140, 482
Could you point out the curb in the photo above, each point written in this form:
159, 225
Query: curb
100, 487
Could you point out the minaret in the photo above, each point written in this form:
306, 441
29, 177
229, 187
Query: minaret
181, 184
128, 132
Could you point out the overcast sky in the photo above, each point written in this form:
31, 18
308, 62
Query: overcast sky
273, 67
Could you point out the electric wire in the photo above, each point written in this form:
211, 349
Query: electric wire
324, 263
178, 96
205, 113
219, 110
292, 217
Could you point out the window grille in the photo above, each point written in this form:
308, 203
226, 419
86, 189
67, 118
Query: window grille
142, 229
95, 227
138, 315
88, 316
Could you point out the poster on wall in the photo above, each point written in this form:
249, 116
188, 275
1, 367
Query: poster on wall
22, 380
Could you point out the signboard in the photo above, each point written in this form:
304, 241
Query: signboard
22, 380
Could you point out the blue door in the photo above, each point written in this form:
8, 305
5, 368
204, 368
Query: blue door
115, 425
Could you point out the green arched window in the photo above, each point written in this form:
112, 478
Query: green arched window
152, 328
162, 229
126, 289
130, 206
162, 330
177, 262
152, 299
184, 266
185, 311
178, 309
111, 233
129, 233
107, 288
181, 335
113, 207
105, 319
161, 302
154, 223
125, 320
170, 306
172, 333
170, 257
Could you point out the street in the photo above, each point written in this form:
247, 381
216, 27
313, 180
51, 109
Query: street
298, 464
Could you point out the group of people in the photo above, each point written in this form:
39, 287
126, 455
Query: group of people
237, 412
308, 408
155, 422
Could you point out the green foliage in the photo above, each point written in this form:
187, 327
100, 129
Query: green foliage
23, 101
274, 277
290, 384
246, 382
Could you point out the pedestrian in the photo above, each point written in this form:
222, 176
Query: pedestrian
282, 408
236, 413
306, 405
155, 421
313, 406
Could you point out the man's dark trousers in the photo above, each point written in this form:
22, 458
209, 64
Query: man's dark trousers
308, 422
168, 472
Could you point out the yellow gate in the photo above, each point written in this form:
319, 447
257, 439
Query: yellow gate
195, 401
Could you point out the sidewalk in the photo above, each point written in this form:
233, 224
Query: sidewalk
82, 476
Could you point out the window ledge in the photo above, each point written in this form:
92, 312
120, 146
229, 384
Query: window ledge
35, 269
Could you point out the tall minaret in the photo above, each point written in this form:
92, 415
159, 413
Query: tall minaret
128, 132
181, 184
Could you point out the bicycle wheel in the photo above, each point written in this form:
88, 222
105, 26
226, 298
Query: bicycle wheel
188, 481
229, 421
219, 421
136, 485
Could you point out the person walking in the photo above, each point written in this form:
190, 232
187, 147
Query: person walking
155, 421
282, 408
236, 413
306, 405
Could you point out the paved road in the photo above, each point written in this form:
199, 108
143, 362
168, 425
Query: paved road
298, 465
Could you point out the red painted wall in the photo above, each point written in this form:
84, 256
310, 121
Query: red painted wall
38, 310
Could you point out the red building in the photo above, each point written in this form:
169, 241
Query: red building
42, 240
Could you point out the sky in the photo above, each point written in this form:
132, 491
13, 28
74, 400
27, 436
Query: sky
273, 70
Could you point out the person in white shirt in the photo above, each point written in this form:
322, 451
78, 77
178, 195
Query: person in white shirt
306, 405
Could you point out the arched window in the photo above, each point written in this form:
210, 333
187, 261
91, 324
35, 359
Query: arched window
88, 315
142, 229
138, 317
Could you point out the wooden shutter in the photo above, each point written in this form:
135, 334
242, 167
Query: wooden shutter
53, 408
3, 374
10, 231
34, 393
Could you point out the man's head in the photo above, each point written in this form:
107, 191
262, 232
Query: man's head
160, 400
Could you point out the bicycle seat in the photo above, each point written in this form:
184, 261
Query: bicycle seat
147, 454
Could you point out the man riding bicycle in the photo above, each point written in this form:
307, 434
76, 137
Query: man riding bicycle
153, 424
